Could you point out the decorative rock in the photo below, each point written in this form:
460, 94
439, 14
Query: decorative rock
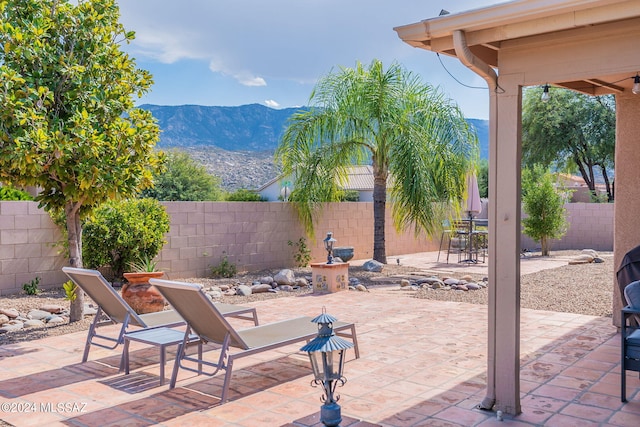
472, 286
89, 310
302, 282
404, 283
286, 288
52, 308
467, 278
354, 281
12, 325
33, 323
56, 320
214, 294
451, 281
3, 319
591, 252
263, 287
11, 313
38, 314
373, 266
581, 259
285, 277
266, 279
243, 290
437, 285
224, 287
361, 288
598, 260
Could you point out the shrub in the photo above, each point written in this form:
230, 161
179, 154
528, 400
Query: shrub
303, 254
121, 233
225, 269
8, 192
244, 195
31, 288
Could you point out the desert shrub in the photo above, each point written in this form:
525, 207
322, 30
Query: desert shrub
244, 195
31, 288
120, 233
224, 269
302, 256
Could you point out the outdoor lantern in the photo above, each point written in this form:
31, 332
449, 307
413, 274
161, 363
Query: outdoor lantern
545, 94
327, 353
329, 241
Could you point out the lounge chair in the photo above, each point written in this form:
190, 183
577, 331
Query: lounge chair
206, 321
111, 305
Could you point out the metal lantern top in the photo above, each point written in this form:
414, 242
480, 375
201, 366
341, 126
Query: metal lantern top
326, 341
329, 241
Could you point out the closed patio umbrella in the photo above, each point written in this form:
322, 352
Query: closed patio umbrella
474, 206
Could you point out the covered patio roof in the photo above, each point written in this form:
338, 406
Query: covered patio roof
520, 23
590, 46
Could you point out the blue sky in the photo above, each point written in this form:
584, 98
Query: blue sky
271, 52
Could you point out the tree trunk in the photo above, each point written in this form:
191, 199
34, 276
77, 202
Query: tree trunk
544, 246
74, 232
379, 215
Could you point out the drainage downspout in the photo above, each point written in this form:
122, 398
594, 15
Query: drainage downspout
483, 69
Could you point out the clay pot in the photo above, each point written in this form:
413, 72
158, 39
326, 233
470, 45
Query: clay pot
140, 295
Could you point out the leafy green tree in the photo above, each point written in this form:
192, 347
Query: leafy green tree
483, 178
570, 131
413, 136
544, 207
67, 119
184, 179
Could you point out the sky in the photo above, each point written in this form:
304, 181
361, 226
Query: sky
272, 52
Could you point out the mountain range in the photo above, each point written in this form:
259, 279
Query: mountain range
237, 143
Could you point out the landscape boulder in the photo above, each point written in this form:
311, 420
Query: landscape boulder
285, 277
373, 266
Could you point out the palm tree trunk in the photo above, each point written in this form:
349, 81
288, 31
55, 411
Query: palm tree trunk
379, 208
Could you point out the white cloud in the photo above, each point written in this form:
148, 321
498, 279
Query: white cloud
271, 103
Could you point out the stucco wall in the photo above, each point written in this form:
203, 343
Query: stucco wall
253, 235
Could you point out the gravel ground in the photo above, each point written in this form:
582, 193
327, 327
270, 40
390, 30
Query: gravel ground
581, 289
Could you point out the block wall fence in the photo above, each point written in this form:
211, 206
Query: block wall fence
253, 235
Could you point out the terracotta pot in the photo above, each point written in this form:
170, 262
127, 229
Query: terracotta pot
140, 295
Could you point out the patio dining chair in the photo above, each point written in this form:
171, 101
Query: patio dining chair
112, 309
630, 335
206, 322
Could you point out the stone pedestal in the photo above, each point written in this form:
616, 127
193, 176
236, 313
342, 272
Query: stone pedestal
330, 277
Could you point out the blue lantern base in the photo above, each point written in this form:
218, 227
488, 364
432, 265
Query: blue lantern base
330, 414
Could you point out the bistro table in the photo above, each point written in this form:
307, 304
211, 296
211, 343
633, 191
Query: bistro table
475, 236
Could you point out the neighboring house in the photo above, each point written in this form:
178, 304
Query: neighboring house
360, 179
580, 193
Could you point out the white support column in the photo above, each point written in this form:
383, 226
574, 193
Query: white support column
503, 365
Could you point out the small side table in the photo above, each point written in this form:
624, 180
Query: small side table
161, 337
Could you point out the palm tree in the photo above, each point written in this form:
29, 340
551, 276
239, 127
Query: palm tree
417, 141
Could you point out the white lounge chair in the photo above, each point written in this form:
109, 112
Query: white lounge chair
117, 311
207, 323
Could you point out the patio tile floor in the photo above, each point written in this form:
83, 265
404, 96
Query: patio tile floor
422, 363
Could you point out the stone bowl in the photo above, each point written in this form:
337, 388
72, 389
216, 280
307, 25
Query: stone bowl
345, 253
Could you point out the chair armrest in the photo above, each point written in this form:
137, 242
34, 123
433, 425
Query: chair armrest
630, 310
